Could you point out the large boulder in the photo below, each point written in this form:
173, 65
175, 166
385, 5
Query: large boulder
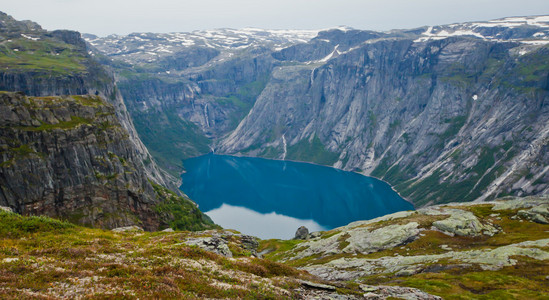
302, 233
463, 223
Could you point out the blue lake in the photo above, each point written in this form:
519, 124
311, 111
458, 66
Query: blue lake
272, 198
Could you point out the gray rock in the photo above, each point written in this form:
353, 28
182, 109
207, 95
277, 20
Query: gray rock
463, 223
128, 229
249, 243
302, 233
214, 244
317, 285
314, 235
538, 214
384, 292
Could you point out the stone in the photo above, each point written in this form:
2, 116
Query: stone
168, 230
128, 229
6, 209
364, 241
538, 214
249, 243
463, 223
214, 244
317, 285
302, 233
314, 235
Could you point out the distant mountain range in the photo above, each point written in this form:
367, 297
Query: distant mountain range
445, 113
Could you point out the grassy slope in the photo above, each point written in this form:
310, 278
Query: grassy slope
45, 258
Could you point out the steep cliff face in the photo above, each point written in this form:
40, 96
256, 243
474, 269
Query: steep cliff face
186, 90
444, 113
43, 63
69, 157
446, 120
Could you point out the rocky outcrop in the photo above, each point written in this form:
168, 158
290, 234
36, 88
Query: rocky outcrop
218, 242
432, 244
463, 223
69, 157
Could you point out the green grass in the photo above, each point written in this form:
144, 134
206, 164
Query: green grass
45, 55
63, 125
16, 226
183, 214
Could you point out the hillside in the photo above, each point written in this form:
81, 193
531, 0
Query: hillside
38, 62
48, 259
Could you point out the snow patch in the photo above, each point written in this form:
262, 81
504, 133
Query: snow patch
30, 37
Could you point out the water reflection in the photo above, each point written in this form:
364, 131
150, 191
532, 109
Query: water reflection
265, 226
328, 196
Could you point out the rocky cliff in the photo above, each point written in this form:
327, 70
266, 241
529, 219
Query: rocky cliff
76, 157
69, 157
444, 113
43, 63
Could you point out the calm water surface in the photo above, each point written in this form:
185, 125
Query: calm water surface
271, 198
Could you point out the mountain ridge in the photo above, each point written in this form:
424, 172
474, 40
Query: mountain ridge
355, 98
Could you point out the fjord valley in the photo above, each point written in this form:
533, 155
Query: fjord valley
95, 133
444, 113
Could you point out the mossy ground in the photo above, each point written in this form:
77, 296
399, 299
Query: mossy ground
45, 258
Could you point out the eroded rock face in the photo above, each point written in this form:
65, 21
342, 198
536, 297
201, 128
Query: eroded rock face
69, 157
73, 71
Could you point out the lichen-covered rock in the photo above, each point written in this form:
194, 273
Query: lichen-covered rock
517, 203
214, 244
463, 223
538, 214
128, 229
363, 241
249, 243
360, 239
384, 292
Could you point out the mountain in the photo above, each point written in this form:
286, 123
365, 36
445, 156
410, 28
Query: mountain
185, 89
78, 158
444, 113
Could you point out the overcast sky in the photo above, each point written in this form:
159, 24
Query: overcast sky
104, 17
